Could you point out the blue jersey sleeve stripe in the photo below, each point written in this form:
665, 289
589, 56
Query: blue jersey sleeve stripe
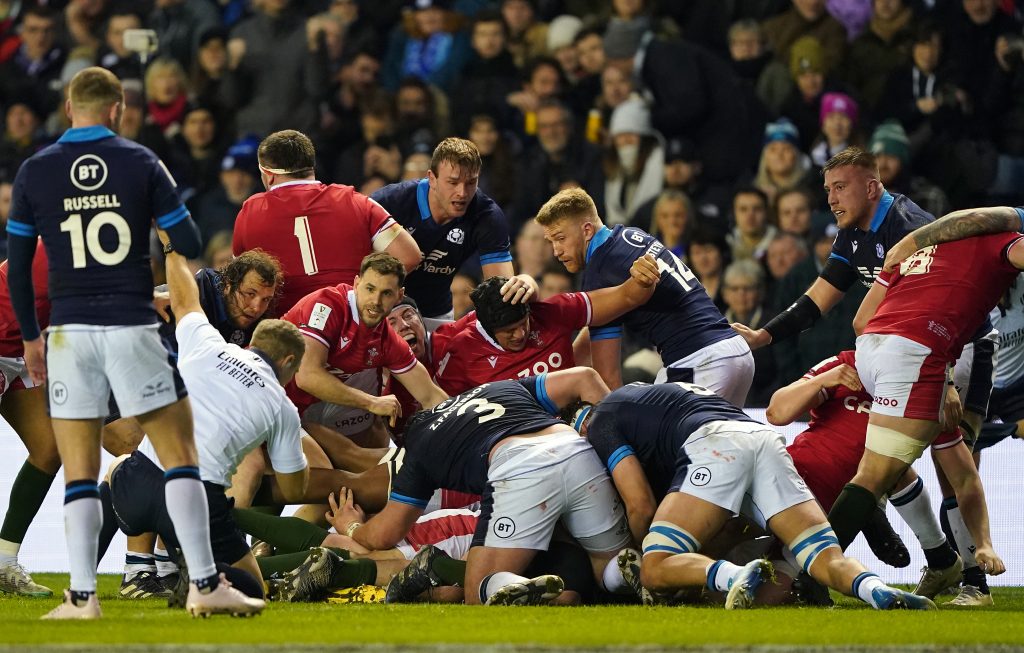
411, 501
21, 229
542, 394
620, 454
1020, 214
172, 218
605, 333
841, 258
495, 257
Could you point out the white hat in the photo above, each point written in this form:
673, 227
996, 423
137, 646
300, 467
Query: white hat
562, 30
631, 117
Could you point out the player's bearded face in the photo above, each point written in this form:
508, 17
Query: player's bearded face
409, 326
513, 336
568, 240
247, 303
376, 295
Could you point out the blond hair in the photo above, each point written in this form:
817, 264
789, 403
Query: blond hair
571, 203
279, 339
853, 156
459, 152
94, 90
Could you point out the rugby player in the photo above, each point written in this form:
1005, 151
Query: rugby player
451, 219
500, 340
347, 341
220, 374
320, 232
919, 317
501, 440
92, 197
23, 406
680, 320
684, 460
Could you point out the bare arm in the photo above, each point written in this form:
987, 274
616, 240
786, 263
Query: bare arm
955, 226
868, 307
566, 386
417, 381
381, 532
293, 486
314, 378
802, 395
609, 303
401, 245
181, 285
637, 497
606, 355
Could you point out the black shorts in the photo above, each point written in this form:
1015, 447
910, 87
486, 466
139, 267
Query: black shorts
137, 495
1007, 403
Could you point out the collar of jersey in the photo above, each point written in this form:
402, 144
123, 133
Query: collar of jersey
266, 358
883, 208
487, 336
295, 182
602, 235
85, 134
422, 188
352, 305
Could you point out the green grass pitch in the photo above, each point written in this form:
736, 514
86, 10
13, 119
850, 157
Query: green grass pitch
148, 624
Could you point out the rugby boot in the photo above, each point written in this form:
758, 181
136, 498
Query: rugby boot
70, 610
971, 597
744, 585
15, 580
311, 580
144, 585
224, 599
891, 598
540, 590
934, 581
416, 578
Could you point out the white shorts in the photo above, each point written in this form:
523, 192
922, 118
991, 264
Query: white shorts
742, 467
14, 375
347, 420
726, 368
534, 483
905, 378
86, 362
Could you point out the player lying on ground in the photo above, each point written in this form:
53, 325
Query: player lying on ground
684, 460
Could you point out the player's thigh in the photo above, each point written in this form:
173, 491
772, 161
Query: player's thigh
25, 410
521, 512
729, 378
701, 519
593, 513
77, 383
139, 370
483, 561
122, 436
226, 540
717, 466
776, 484
792, 522
905, 378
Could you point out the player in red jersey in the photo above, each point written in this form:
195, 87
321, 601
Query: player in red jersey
347, 334
918, 319
319, 232
23, 406
501, 340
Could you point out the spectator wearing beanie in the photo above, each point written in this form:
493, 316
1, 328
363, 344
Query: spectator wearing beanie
891, 147
634, 164
838, 127
782, 165
807, 18
811, 81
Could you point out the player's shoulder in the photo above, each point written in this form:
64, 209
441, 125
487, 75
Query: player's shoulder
483, 205
334, 297
904, 216
401, 191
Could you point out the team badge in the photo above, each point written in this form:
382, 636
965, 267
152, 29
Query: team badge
371, 357
318, 318
457, 236
879, 250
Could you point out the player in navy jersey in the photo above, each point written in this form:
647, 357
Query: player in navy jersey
451, 219
502, 440
93, 197
694, 340
684, 460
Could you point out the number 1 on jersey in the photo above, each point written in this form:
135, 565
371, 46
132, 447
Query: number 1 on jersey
306, 244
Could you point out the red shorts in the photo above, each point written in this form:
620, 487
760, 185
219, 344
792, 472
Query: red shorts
905, 378
825, 471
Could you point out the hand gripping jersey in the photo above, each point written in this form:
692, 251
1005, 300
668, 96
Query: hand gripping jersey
679, 318
941, 295
471, 357
10, 333
483, 229
319, 232
653, 422
448, 446
330, 317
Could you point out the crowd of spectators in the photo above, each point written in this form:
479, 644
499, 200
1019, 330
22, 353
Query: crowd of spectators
704, 122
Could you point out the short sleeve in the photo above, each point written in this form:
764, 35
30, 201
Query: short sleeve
537, 387
492, 239
886, 277
318, 316
398, 356
571, 310
167, 206
412, 484
284, 445
195, 336
378, 219
238, 234
21, 220
604, 435
841, 249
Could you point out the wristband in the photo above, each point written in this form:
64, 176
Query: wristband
169, 247
352, 528
798, 317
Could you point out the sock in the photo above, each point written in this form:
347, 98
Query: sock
496, 581
944, 521
449, 570
280, 563
915, 507
721, 574
135, 563
286, 534
83, 518
613, 581
863, 586
27, 494
353, 573
976, 577
962, 536
164, 565
190, 514
850, 512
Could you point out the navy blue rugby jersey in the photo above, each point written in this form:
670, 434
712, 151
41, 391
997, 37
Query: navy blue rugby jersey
653, 422
448, 446
482, 229
92, 197
679, 318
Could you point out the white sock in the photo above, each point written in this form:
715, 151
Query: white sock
164, 565
187, 508
915, 507
496, 581
135, 563
613, 581
83, 518
720, 575
9, 552
863, 586
964, 541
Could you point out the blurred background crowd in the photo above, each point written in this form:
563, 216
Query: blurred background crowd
704, 122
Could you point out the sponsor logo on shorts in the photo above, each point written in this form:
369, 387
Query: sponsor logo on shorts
58, 393
887, 401
700, 476
504, 528
154, 389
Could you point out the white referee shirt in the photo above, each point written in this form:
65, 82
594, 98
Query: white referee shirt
237, 403
1010, 355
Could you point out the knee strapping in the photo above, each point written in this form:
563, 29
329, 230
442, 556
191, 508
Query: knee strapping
811, 543
890, 442
666, 537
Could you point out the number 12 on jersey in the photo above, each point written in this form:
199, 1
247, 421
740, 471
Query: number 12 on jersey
305, 237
